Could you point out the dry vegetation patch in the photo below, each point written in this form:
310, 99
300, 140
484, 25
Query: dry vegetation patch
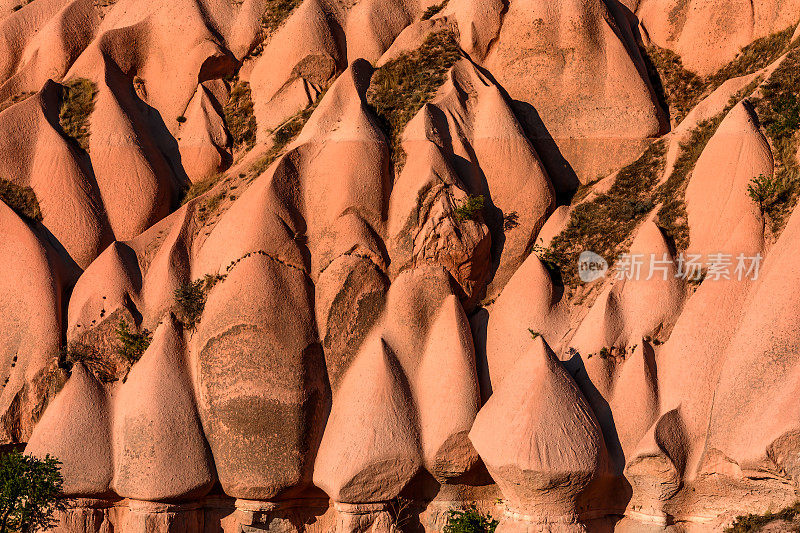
77, 104
21, 199
239, 116
14, 100
752, 522
681, 90
401, 87
604, 223
434, 10
274, 16
778, 109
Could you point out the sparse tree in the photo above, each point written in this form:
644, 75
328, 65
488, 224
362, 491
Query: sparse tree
29, 492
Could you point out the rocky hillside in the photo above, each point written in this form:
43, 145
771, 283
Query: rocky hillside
346, 265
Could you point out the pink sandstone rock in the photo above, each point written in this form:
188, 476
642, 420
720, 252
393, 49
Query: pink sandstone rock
160, 451
258, 371
76, 429
598, 108
709, 34
717, 200
32, 293
539, 439
446, 391
370, 449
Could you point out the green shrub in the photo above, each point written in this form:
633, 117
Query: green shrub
510, 221
130, 344
434, 10
240, 117
181, 119
469, 209
77, 103
534, 334
550, 257
29, 492
469, 520
21, 199
752, 523
190, 299
200, 188
766, 191
401, 87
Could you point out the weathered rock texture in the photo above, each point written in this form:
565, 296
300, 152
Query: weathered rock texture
329, 223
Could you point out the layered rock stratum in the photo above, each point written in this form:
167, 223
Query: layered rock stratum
296, 265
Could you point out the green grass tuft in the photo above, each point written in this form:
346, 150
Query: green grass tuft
402, 86
239, 116
77, 104
190, 299
21, 199
470, 520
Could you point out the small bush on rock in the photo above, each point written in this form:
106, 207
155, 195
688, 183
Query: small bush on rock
766, 191
190, 299
469, 520
434, 10
752, 522
130, 344
469, 209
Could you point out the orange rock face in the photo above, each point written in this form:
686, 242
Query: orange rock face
310, 265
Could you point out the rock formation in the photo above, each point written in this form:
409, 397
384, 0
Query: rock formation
321, 264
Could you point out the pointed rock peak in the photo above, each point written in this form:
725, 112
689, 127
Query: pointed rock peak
370, 449
163, 355
650, 239
75, 429
538, 437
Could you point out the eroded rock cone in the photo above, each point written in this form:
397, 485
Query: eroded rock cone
161, 453
76, 429
541, 443
370, 449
